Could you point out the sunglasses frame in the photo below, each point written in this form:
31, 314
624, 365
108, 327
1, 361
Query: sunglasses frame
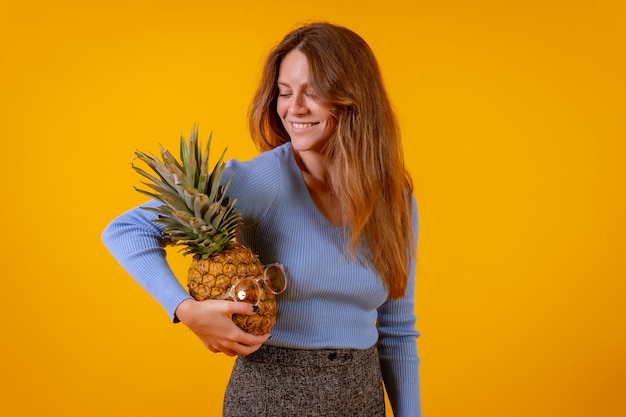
257, 281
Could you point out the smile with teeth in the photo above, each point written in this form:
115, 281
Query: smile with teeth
302, 125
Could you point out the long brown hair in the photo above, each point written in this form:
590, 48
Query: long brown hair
365, 158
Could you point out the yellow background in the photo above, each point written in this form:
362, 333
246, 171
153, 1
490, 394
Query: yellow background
513, 122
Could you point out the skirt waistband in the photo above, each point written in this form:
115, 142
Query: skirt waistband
312, 357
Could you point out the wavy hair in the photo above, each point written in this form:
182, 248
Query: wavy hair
365, 159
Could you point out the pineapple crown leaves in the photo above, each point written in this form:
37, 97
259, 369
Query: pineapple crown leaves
196, 211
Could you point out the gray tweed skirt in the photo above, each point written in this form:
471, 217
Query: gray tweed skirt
281, 382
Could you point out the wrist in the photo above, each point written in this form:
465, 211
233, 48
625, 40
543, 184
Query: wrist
181, 312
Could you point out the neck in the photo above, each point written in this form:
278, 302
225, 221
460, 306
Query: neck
315, 174
314, 170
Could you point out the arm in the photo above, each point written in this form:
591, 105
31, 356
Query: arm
135, 242
397, 347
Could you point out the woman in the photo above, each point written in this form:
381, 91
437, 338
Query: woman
328, 197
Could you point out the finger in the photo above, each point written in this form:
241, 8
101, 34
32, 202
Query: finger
242, 308
246, 350
222, 349
228, 351
248, 339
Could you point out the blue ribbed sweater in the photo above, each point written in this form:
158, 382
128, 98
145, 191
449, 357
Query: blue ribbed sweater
331, 301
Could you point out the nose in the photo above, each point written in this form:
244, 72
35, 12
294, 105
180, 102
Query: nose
298, 104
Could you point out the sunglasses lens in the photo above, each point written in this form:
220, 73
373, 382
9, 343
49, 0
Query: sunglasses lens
247, 291
275, 278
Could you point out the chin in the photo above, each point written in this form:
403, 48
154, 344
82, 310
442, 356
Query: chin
302, 144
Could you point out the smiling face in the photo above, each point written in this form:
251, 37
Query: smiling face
308, 123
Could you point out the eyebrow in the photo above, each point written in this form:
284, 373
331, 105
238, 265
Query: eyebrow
284, 84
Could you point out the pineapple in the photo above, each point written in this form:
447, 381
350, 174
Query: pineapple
199, 216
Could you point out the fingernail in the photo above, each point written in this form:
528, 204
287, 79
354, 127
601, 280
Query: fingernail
255, 309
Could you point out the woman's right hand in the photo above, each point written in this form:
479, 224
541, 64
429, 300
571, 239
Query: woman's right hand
211, 321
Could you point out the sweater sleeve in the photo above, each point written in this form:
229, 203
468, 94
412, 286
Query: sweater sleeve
136, 242
397, 347
254, 183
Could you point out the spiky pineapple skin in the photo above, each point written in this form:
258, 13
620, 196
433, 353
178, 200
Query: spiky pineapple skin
212, 277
